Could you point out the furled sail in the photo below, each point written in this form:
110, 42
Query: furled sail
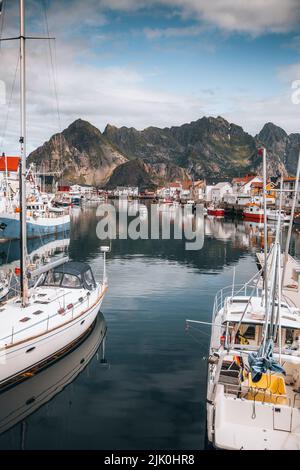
262, 361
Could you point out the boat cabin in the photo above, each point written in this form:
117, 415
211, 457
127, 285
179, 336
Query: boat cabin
72, 274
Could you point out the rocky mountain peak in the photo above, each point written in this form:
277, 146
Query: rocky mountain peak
210, 147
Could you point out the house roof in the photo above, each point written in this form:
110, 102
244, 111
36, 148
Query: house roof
244, 179
175, 185
9, 163
198, 183
257, 184
187, 184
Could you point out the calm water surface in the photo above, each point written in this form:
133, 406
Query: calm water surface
151, 392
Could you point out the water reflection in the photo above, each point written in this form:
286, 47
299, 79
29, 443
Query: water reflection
21, 400
153, 395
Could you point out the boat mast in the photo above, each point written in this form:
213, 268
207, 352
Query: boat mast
23, 235
288, 240
265, 226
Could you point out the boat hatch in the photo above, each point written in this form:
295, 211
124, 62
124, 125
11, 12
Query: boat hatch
25, 319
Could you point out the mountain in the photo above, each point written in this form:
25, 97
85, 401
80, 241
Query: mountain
210, 148
282, 149
145, 175
81, 153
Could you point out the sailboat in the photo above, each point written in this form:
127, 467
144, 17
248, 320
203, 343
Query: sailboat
59, 308
253, 385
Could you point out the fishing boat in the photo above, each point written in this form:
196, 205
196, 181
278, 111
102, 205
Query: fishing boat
62, 200
41, 321
41, 219
215, 211
40, 222
253, 212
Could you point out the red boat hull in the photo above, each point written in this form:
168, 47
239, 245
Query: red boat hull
253, 217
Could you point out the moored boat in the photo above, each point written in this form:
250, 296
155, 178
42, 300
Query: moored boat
41, 321
38, 224
215, 211
273, 215
253, 386
60, 308
253, 212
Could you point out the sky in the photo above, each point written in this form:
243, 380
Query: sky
141, 63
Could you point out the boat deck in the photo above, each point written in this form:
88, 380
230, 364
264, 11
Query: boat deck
291, 286
44, 312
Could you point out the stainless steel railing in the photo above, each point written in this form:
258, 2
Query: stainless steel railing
72, 312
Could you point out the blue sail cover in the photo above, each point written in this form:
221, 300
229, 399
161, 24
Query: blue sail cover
262, 361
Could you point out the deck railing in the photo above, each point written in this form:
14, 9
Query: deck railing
265, 395
228, 292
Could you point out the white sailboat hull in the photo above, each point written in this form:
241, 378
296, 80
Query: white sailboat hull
25, 354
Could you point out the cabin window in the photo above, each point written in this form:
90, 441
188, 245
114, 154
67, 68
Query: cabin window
89, 279
53, 279
69, 280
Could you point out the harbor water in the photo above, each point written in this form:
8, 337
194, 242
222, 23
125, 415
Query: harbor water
150, 391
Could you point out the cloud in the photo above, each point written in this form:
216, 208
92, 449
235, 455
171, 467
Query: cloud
118, 95
157, 33
122, 95
289, 73
254, 17
252, 114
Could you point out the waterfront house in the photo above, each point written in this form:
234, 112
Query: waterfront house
126, 191
187, 190
243, 185
170, 191
219, 190
289, 188
199, 190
